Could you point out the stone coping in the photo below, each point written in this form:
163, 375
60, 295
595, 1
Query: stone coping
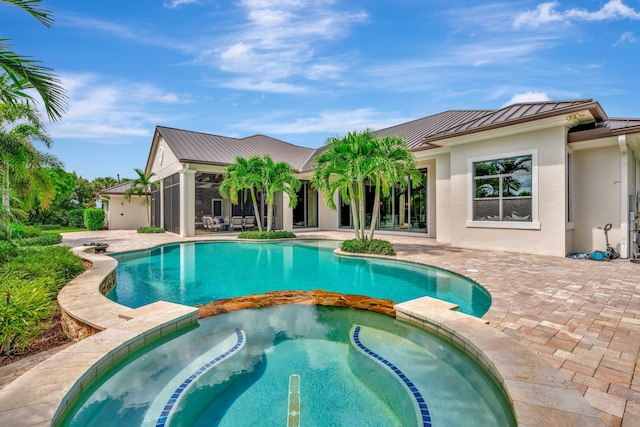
539, 395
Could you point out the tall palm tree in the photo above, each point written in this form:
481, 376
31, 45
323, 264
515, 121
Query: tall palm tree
243, 174
276, 177
20, 124
22, 73
394, 163
141, 186
345, 166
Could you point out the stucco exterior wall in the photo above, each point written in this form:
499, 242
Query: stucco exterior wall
164, 163
550, 146
442, 197
597, 197
124, 215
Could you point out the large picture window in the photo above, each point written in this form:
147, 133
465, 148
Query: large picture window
503, 189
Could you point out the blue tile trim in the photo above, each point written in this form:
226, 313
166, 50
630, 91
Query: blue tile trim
424, 410
164, 415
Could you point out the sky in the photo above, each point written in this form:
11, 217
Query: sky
305, 70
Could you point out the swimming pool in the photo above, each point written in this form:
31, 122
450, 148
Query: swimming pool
355, 368
198, 273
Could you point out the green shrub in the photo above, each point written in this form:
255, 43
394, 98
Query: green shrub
46, 239
93, 218
25, 309
266, 235
18, 230
150, 230
44, 227
365, 246
8, 251
76, 218
31, 231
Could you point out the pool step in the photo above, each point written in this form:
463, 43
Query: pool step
293, 419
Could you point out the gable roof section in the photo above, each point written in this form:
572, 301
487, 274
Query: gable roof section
608, 128
197, 147
518, 113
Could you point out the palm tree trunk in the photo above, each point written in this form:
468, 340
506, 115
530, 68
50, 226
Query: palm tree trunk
255, 209
269, 215
376, 210
362, 213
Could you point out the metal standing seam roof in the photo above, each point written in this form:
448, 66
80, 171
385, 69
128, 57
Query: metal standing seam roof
117, 189
511, 114
197, 147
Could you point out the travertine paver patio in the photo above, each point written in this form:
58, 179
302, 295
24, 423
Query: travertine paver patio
582, 317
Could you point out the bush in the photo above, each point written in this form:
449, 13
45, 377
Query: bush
55, 226
31, 231
266, 235
8, 251
150, 230
18, 230
47, 239
75, 218
94, 218
25, 308
29, 284
365, 246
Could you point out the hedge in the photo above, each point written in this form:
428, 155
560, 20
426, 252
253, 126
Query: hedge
94, 218
365, 246
266, 235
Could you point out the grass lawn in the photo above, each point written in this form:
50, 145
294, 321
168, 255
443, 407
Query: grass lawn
64, 230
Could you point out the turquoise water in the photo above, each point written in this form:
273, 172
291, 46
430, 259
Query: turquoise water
339, 386
198, 273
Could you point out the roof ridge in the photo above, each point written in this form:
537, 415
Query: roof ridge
199, 132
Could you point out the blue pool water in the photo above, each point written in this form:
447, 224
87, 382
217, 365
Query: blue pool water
198, 273
342, 379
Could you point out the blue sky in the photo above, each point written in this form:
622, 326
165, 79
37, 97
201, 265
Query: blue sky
304, 70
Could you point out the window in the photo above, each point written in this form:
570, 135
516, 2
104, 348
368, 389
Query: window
503, 189
305, 214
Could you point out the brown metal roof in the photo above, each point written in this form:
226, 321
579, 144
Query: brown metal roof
517, 113
415, 131
204, 148
117, 189
608, 128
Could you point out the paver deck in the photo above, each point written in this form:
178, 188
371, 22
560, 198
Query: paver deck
582, 317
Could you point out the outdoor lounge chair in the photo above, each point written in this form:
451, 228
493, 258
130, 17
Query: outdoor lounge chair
249, 222
237, 223
207, 223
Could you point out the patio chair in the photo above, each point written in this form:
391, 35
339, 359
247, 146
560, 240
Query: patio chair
237, 222
249, 222
216, 224
207, 223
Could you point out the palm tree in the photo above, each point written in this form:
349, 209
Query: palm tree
394, 163
345, 166
276, 177
20, 124
22, 73
241, 175
141, 186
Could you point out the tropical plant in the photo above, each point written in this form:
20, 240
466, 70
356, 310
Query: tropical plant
344, 167
22, 73
20, 161
243, 174
278, 177
141, 186
394, 163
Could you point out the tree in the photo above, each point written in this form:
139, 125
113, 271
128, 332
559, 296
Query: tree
394, 163
20, 124
277, 177
22, 73
243, 174
141, 186
345, 166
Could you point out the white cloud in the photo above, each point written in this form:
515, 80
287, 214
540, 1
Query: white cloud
175, 3
546, 13
330, 121
627, 37
527, 97
103, 111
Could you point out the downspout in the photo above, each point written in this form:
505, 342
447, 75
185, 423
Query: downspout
624, 197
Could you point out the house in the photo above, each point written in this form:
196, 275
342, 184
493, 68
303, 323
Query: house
120, 213
537, 178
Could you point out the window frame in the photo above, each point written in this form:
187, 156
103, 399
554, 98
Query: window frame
534, 224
